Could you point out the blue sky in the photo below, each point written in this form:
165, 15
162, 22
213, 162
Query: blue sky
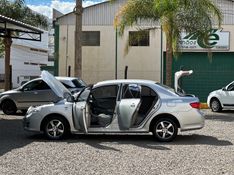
48, 2
65, 6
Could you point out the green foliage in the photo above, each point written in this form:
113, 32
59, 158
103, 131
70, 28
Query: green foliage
17, 10
175, 16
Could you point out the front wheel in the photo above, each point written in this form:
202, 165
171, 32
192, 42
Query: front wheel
215, 105
56, 128
9, 107
165, 130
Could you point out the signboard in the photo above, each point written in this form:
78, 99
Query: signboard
217, 41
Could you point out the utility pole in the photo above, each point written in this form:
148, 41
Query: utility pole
78, 42
7, 43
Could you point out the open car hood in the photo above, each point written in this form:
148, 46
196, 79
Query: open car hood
59, 89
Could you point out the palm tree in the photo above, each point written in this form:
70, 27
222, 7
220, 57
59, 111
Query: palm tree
19, 11
175, 17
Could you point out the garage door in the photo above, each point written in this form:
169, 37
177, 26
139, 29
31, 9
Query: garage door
209, 74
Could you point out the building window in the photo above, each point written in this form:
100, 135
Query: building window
91, 38
39, 50
139, 38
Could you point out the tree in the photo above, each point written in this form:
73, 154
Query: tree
19, 11
175, 17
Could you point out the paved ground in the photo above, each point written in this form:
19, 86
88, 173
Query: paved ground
207, 151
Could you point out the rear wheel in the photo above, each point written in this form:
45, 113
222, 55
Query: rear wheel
215, 105
9, 107
165, 130
56, 128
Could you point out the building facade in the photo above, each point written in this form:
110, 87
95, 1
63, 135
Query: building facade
104, 55
27, 57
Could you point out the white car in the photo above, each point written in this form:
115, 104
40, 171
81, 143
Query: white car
222, 98
116, 106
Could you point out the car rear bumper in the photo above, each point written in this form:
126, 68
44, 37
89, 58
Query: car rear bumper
192, 120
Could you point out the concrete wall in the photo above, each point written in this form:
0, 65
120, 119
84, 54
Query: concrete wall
99, 61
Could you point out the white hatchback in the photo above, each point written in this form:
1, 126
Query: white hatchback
222, 98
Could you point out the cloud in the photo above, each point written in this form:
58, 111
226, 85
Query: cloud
64, 7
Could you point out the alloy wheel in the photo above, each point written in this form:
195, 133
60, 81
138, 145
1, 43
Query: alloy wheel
165, 130
215, 105
55, 129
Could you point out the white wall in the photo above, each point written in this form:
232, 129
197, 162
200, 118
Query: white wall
24, 55
99, 61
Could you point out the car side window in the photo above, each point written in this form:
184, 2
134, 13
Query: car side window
105, 92
83, 96
36, 85
131, 91
231, 87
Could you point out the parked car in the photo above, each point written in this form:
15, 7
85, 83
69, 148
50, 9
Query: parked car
222, 98
116, 106
35, 92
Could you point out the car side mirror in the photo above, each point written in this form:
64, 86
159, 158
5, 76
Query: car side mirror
70, 98
224, 89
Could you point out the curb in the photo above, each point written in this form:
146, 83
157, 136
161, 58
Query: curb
204, 106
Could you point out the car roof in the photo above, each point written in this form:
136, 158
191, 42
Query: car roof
138, 81
58, 78
66, 78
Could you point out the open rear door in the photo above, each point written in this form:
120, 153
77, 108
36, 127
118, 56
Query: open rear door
129, 106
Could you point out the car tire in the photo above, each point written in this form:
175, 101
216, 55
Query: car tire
165, 130
215, 105
56, 128
24, 111
9, 107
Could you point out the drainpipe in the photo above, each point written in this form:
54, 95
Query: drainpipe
161, 55
116, 53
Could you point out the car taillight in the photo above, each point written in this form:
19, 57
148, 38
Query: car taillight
195, 105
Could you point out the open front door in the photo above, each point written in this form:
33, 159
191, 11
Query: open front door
81, 112
129, 106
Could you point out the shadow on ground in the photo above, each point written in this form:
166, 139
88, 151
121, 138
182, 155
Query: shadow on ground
12, 136
225, 115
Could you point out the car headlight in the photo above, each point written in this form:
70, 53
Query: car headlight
32, 110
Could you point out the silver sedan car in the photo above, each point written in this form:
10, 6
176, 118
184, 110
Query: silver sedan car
116, 106
35, 92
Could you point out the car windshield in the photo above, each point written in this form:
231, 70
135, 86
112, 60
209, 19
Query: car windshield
78, 83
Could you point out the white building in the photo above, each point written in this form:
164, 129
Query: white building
103, 52
26, 59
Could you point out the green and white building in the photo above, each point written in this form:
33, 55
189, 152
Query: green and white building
104, 55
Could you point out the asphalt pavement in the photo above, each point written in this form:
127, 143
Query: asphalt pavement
206, 151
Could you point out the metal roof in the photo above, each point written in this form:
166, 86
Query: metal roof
17, 25
15, 29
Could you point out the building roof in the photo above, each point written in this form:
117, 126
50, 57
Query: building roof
107, 1
6, 22
103, 14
